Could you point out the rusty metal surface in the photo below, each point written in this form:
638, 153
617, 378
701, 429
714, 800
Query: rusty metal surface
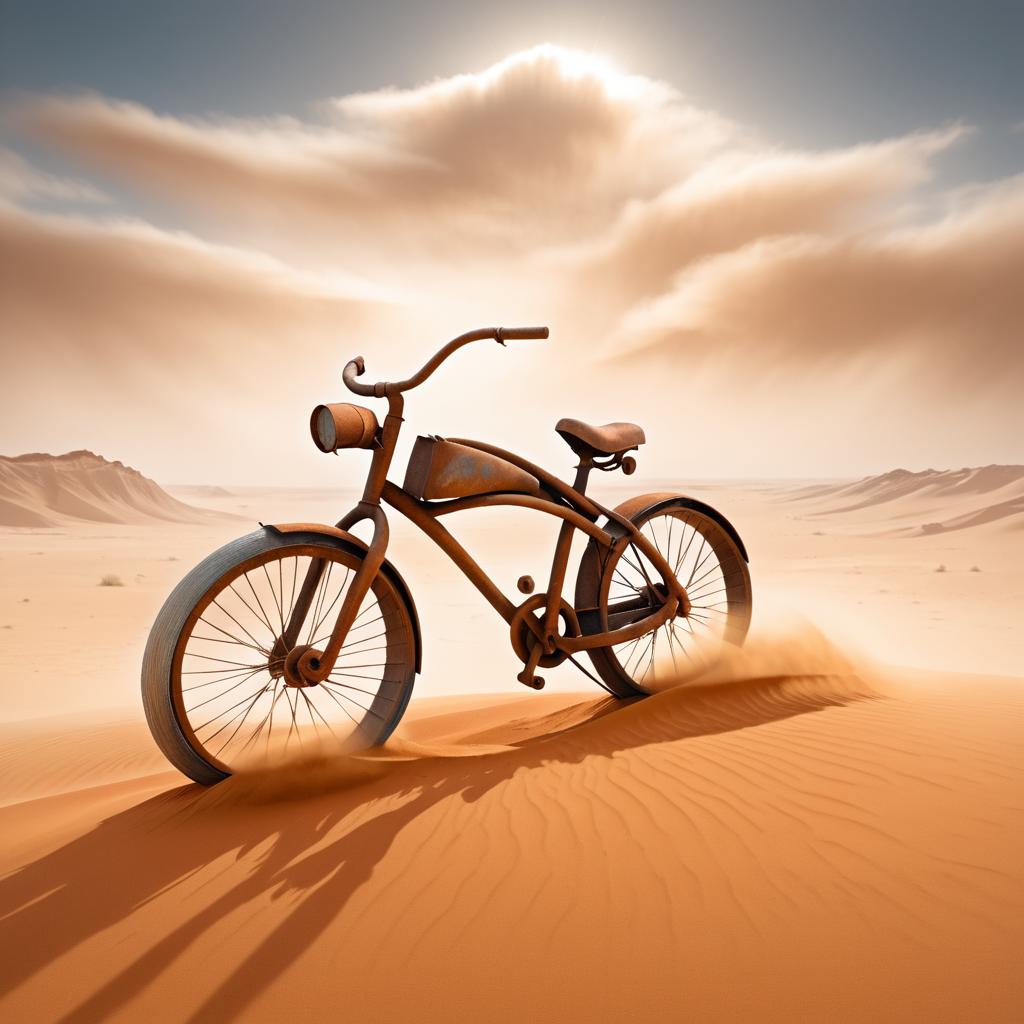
450, 475
631, 506
555, 487
440, 469
413, 510
358, 545
343, 425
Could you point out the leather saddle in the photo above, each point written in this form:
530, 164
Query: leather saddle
611, 439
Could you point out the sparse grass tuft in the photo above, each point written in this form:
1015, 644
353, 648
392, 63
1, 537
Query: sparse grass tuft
941, 568
110, 580
975, 568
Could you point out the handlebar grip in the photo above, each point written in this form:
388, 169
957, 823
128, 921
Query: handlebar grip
522, 333
355, 368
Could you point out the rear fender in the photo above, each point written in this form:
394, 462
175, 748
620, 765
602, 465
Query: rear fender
588, 580
361, 547
660, 499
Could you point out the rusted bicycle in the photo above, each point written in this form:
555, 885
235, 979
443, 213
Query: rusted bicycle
302, 634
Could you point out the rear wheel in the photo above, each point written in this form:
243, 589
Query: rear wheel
217, 685
624, 586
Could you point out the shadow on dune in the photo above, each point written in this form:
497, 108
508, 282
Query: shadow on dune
53, 905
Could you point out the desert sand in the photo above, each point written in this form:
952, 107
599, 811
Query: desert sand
809, 834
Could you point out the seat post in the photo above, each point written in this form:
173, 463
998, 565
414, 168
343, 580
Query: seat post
583, 474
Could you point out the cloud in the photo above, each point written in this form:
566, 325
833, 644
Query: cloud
542, 146
734, 201
113, 277
19, 180
939, 303
118, 335
545, 126
550, 187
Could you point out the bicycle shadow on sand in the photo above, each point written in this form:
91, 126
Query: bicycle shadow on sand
60, 901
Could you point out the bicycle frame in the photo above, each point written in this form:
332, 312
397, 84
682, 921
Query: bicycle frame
557, 498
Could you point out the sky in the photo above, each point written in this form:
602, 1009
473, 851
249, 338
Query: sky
786, 238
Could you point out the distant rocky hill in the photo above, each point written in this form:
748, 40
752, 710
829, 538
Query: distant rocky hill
938, 500
52, 490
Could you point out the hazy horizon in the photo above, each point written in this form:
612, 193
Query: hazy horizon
770, 297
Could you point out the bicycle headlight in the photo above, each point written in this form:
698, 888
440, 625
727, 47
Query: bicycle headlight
343, 426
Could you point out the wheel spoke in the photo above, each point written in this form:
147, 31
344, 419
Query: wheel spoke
294, 593
359, 689
689, 542
327, 611
703, 576
240, 626
671, 647
312, 708
341, 693
207, 657
244, 713
220, 679
263, 612
294, 727
217, 696
260, 617
229, 690
321, 588
278, 596
254, 735
356, 675
682, 557
234, 639
330, 693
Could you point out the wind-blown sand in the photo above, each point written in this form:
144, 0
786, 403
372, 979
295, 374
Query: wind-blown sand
817, 843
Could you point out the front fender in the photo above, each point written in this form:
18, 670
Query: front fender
394, 576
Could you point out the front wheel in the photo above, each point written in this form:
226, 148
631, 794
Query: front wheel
214, 686
623, 586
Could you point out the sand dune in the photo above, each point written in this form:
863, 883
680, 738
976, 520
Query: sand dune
49, 756
39, 490
796, 839
954, 499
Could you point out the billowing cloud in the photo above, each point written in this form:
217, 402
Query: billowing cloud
19, 180
734, 201
940, 303
117, 334
119, 281
543, 146
550, 187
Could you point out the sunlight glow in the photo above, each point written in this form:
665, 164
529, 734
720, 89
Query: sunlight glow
574, 65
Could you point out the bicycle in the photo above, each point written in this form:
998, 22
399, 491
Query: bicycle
258, 631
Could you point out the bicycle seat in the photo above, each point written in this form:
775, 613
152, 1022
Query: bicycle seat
611, 439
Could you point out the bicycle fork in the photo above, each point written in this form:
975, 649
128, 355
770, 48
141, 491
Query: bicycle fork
304, 664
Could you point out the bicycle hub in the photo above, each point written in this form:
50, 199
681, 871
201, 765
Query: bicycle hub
292, 669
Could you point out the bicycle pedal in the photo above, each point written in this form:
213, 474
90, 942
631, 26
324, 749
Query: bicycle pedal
534, 682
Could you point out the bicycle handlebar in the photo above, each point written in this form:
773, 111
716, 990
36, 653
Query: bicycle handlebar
357, 367
520, 334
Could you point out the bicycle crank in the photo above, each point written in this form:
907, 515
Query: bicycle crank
526, 628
